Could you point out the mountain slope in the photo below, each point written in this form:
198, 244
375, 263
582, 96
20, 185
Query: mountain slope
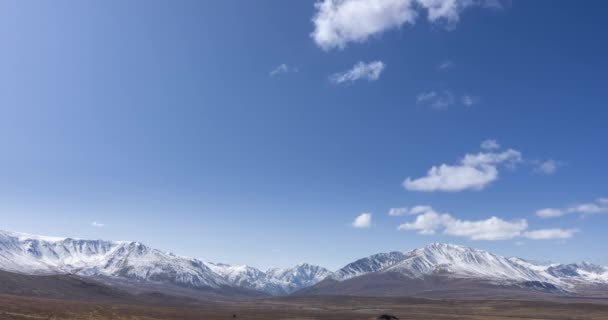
393, 284
445, 265
370, 264
273, 281
131, 260
38, 255
59, 287
300, 276
438, 269
464, 262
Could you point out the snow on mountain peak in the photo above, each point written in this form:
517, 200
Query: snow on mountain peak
370, 264
464, 262
31, 254
131, 260
24, 253
274, 281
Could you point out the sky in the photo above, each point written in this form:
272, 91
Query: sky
271, 133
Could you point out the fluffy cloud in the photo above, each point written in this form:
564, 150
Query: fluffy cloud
282, 69
361, 71
549, 234
491, 229
474, 172
428, 222
489, 144
364, 220
97, 224
339, 22
408, 211
453, 178
599, 206
550, 213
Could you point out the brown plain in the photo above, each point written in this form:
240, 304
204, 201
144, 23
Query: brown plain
301, 308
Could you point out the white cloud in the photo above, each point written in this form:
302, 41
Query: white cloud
469, 100
438, 100
474, 172
599, 206
282, 69
420, 209
490, 229
445, 65
490, 144
408, 211
549, 234
550, 213
441, 100
395, 212
428, 222
364, 220
97, 224
361, 71
493, 228
589, 208
453, 178
547, 167
449, 10
484, 158
339, 22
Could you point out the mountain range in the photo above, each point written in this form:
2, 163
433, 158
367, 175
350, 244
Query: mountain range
434, 269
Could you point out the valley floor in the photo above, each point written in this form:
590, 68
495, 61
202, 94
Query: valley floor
17, 307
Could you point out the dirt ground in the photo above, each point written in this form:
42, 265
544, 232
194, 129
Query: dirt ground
351, 308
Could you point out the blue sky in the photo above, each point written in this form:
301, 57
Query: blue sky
257, 132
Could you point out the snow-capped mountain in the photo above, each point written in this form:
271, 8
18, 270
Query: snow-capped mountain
30, 254
459, 262
374, 263
301, 276
274, 281
583, 272
134, 261
464, 262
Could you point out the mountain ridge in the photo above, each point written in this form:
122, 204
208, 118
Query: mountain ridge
41, 255
133, 261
